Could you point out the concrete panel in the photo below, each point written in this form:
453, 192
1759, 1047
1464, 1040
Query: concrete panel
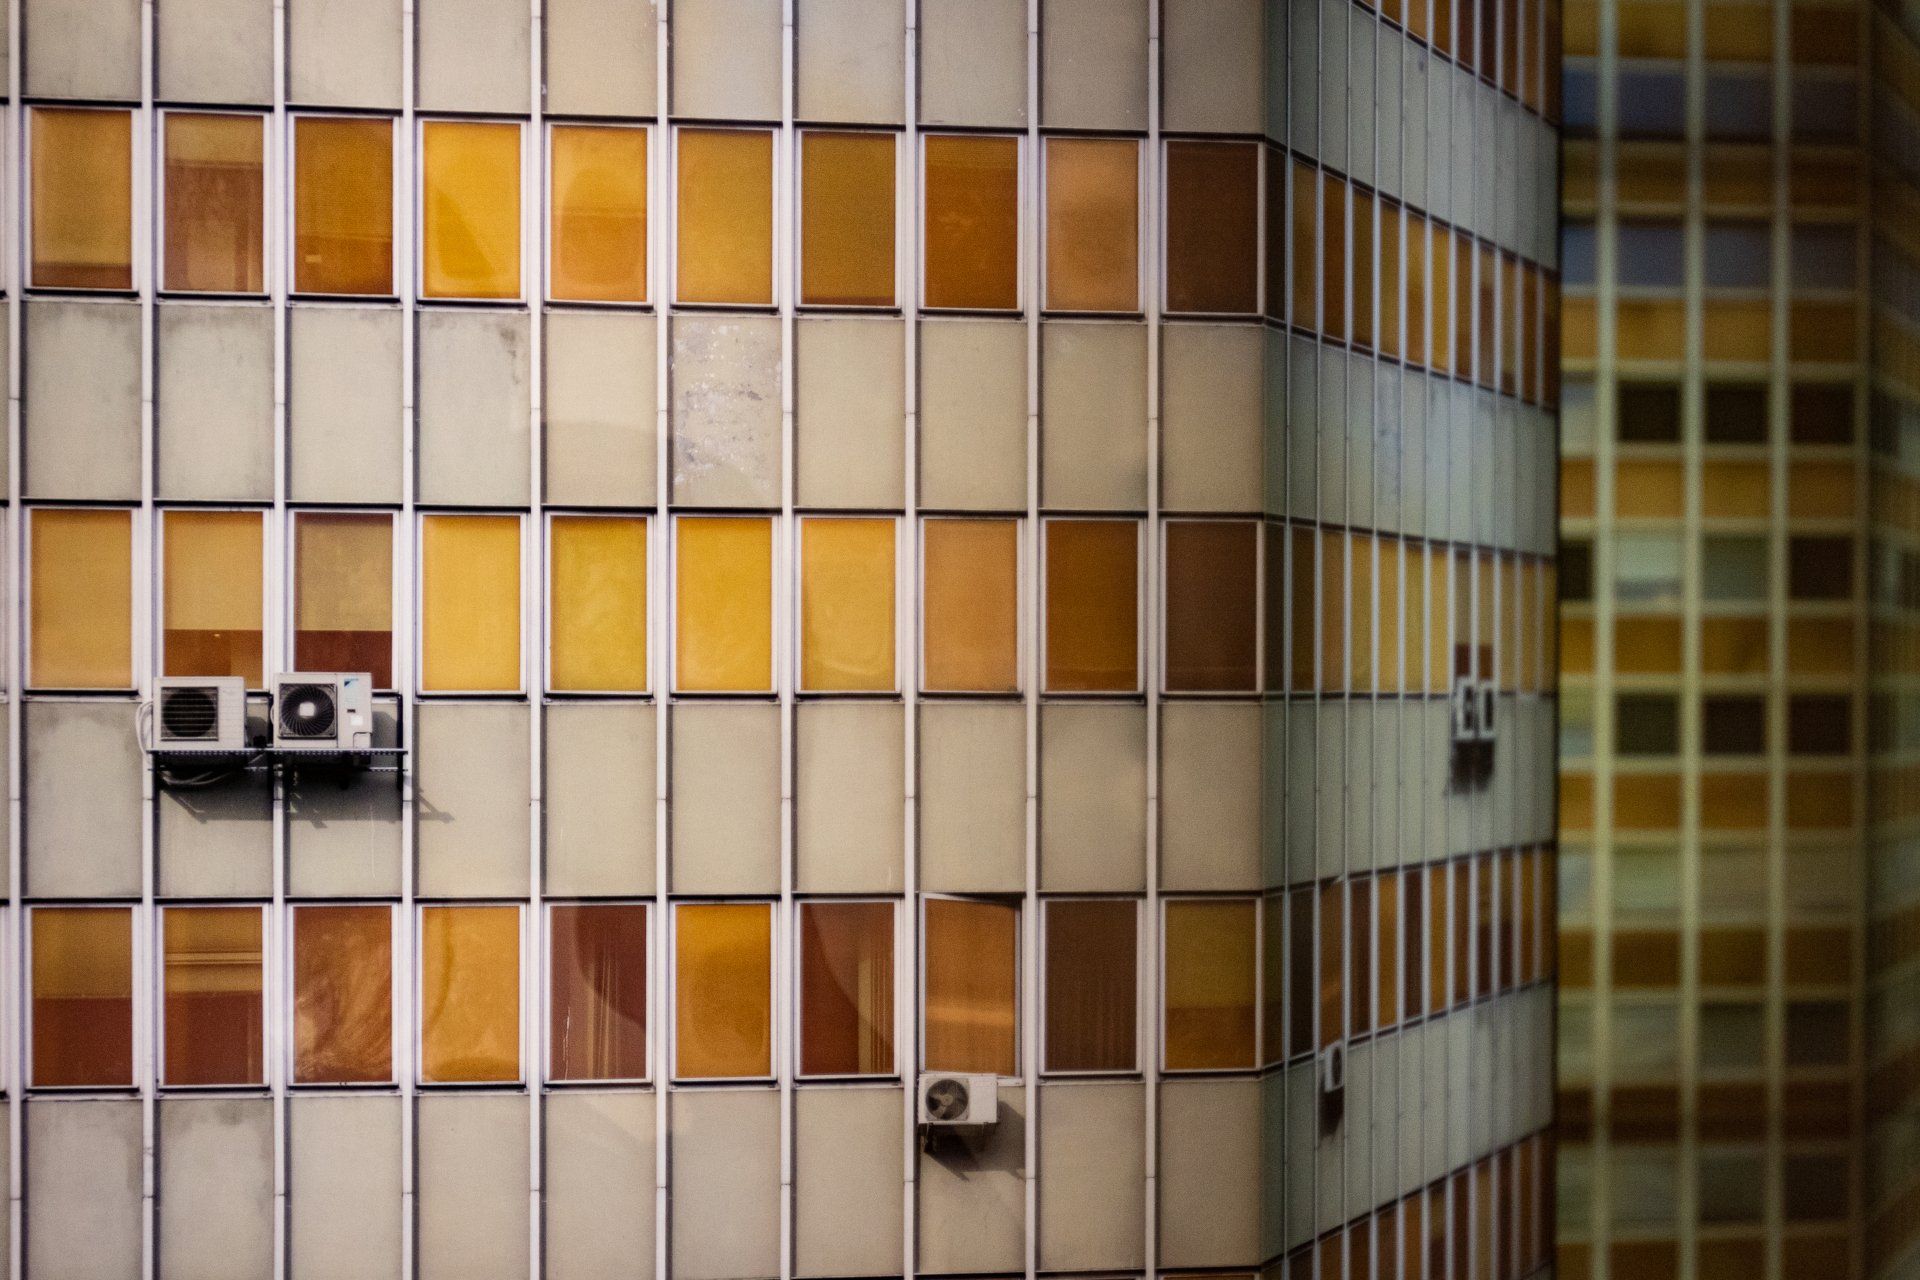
849, 412
726, 407
599, 1185
472, 797
215, 51
217, 841
83, 1212
214, 419
1093, 798
851, 66
343, 1179
82, 800
472, 1187
1210, 795
1093, 1142
724, 813
1093, 64
1093, 415
82, 410
1209, 1173
82, 48
850, 780
1211, 64
344, 840
602, 422
600, 798
344, 52
973, 1196
343, 404
725, 1206
216, 1188
1212, 445
973, 797
847, 1182
973, 63
726, 59
973, 415
471, 55
475, 407
600, 57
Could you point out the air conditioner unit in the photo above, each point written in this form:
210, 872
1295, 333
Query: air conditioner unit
1333, 1068
323, 711
947, 1100
202, 713
1466, 709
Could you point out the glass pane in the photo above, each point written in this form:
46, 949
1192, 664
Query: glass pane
470, 603
971, 610
599, 228
723, 604
972, 230
1305, 243
846, 604
1092, 633
82, 996
725, 228
469, 994
598, 627
215, 203
1093, 224
1212, 625
598, 1014
215, 1013
213, 610
723, 990
972, 974
1333, 253
470, 223
343, 593
82, 199
847, 219
342, 995
81, 631
1209, 985
1092, 975
846, 988
1273, 979
1213, 221
342, 205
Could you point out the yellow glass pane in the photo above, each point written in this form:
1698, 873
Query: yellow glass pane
213, 601
599, 225
1093, 224
972, 223
971, 608
215, 206
1210, 985
1418, 304
342, 205
724, 235
723, 990
470, 203
80, 631
1093, 629
1389, 280
846, 605
470, 603
1393, 554
343, 593
972, 974
723, 604
469, 994
598, 620
847, 219
1333, 256
82, 1030
214, 1025
1300, 606
82, 198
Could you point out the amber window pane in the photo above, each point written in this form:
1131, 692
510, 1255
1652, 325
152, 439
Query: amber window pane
82, 199
1092, 636
1487, 295
1273, 599
846, 605
469, 994
1418, 305
1305, 255
847, 219
1360, 931
597, 1008
1360, 553
342, 995
1412, 946
470, 202
597, 637
470, 603
81, 628
723, 990
1363, 289
213, 610
1209, 967
215, 1014
1273, 979
970, 605
1092, 977
599, 220
1093, 224
1389, 290
215, 197
1300, 606
724, 235
1386, 893
1462, 931
972, 223
846, 988
1333, 610
1463, 351
972, 966
343, 593
1213, 226
82, 996
342, 205
1274, 234
1439, 654
1333, 273
723, 604
1333, 969
1437, 996
1392, 565
1300, 1001
1212, 604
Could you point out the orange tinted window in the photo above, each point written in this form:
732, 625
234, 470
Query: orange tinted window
82, 215
846, 604
80, 631
1209, 985
215, 202
1091, 972
972, 223
1093, 224
597, 1010
342, 994
599, 223
1092, 629
724, 235
972, 975
1212, 611
469, 994
723, 996
846, 988
846, 219
214, 1009
342, 205
470, 209
971, 606
82, 996
1213, 221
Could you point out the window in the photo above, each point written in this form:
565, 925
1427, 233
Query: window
723, 604
971, 605
1651, 255
847, 219
1332, 987
1092, 977
1092, 590
1093, 224
723, 990
1648, 724
82, 1030
1739, 102
1819, 568
82, 217
1649, 413
599, 219
972, 967
1652, 101
846, 605
81, 629
469, 994
1736, 413
1737, 255
1363, 269
1333, 254
1300, 999
597, 638
724, 234
1213, 226
343, 593
1303, 251
470, 209
342, 995
1733, 568
212, 606
972, 227
1389, 291
1212, 604
1824, 257
597, 1005
1579, 253
215, 203
1360, 926
1209, 995
470, 603
1646, 570
1273, 979
1819, 724
1733, 725
342, 205
213, 1027
846, 988
1822, 413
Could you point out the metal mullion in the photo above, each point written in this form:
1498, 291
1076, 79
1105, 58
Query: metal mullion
661, 152
786, 167
1153, 297
536, 179
276, 643
13, 1076
909, 642
406, 678
146, 931
1031, 275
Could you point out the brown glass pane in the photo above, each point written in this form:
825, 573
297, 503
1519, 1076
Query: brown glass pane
1093, 224
1304, 244
1212, 609
1273, 979
343, 593
1386, 893
342, 205
1360, 926
1209, 965
970, 612
723, 990
214, 1025
972, 229
972, 978
469, 994
1822, 414
1092, 980
847, 219
597, 1028
846, 988
1362, 268
1333, 965
1390, 280
1301, 613
1819, 568
82, 214
599, 226
724, 237
215, 198
1412, 944
1333, 231
342, 995
1092, 633
1300, 1003
1419, 306
82, 996
1274, 234
1213, 226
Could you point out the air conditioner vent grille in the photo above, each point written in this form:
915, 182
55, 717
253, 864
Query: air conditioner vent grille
306, 711
190, 713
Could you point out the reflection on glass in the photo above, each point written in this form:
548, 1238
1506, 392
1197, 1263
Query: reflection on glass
599, 226
82, 996
598, 1016
972, 972
723, 990
846, 988
342, 995
215, 196
214, 1025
